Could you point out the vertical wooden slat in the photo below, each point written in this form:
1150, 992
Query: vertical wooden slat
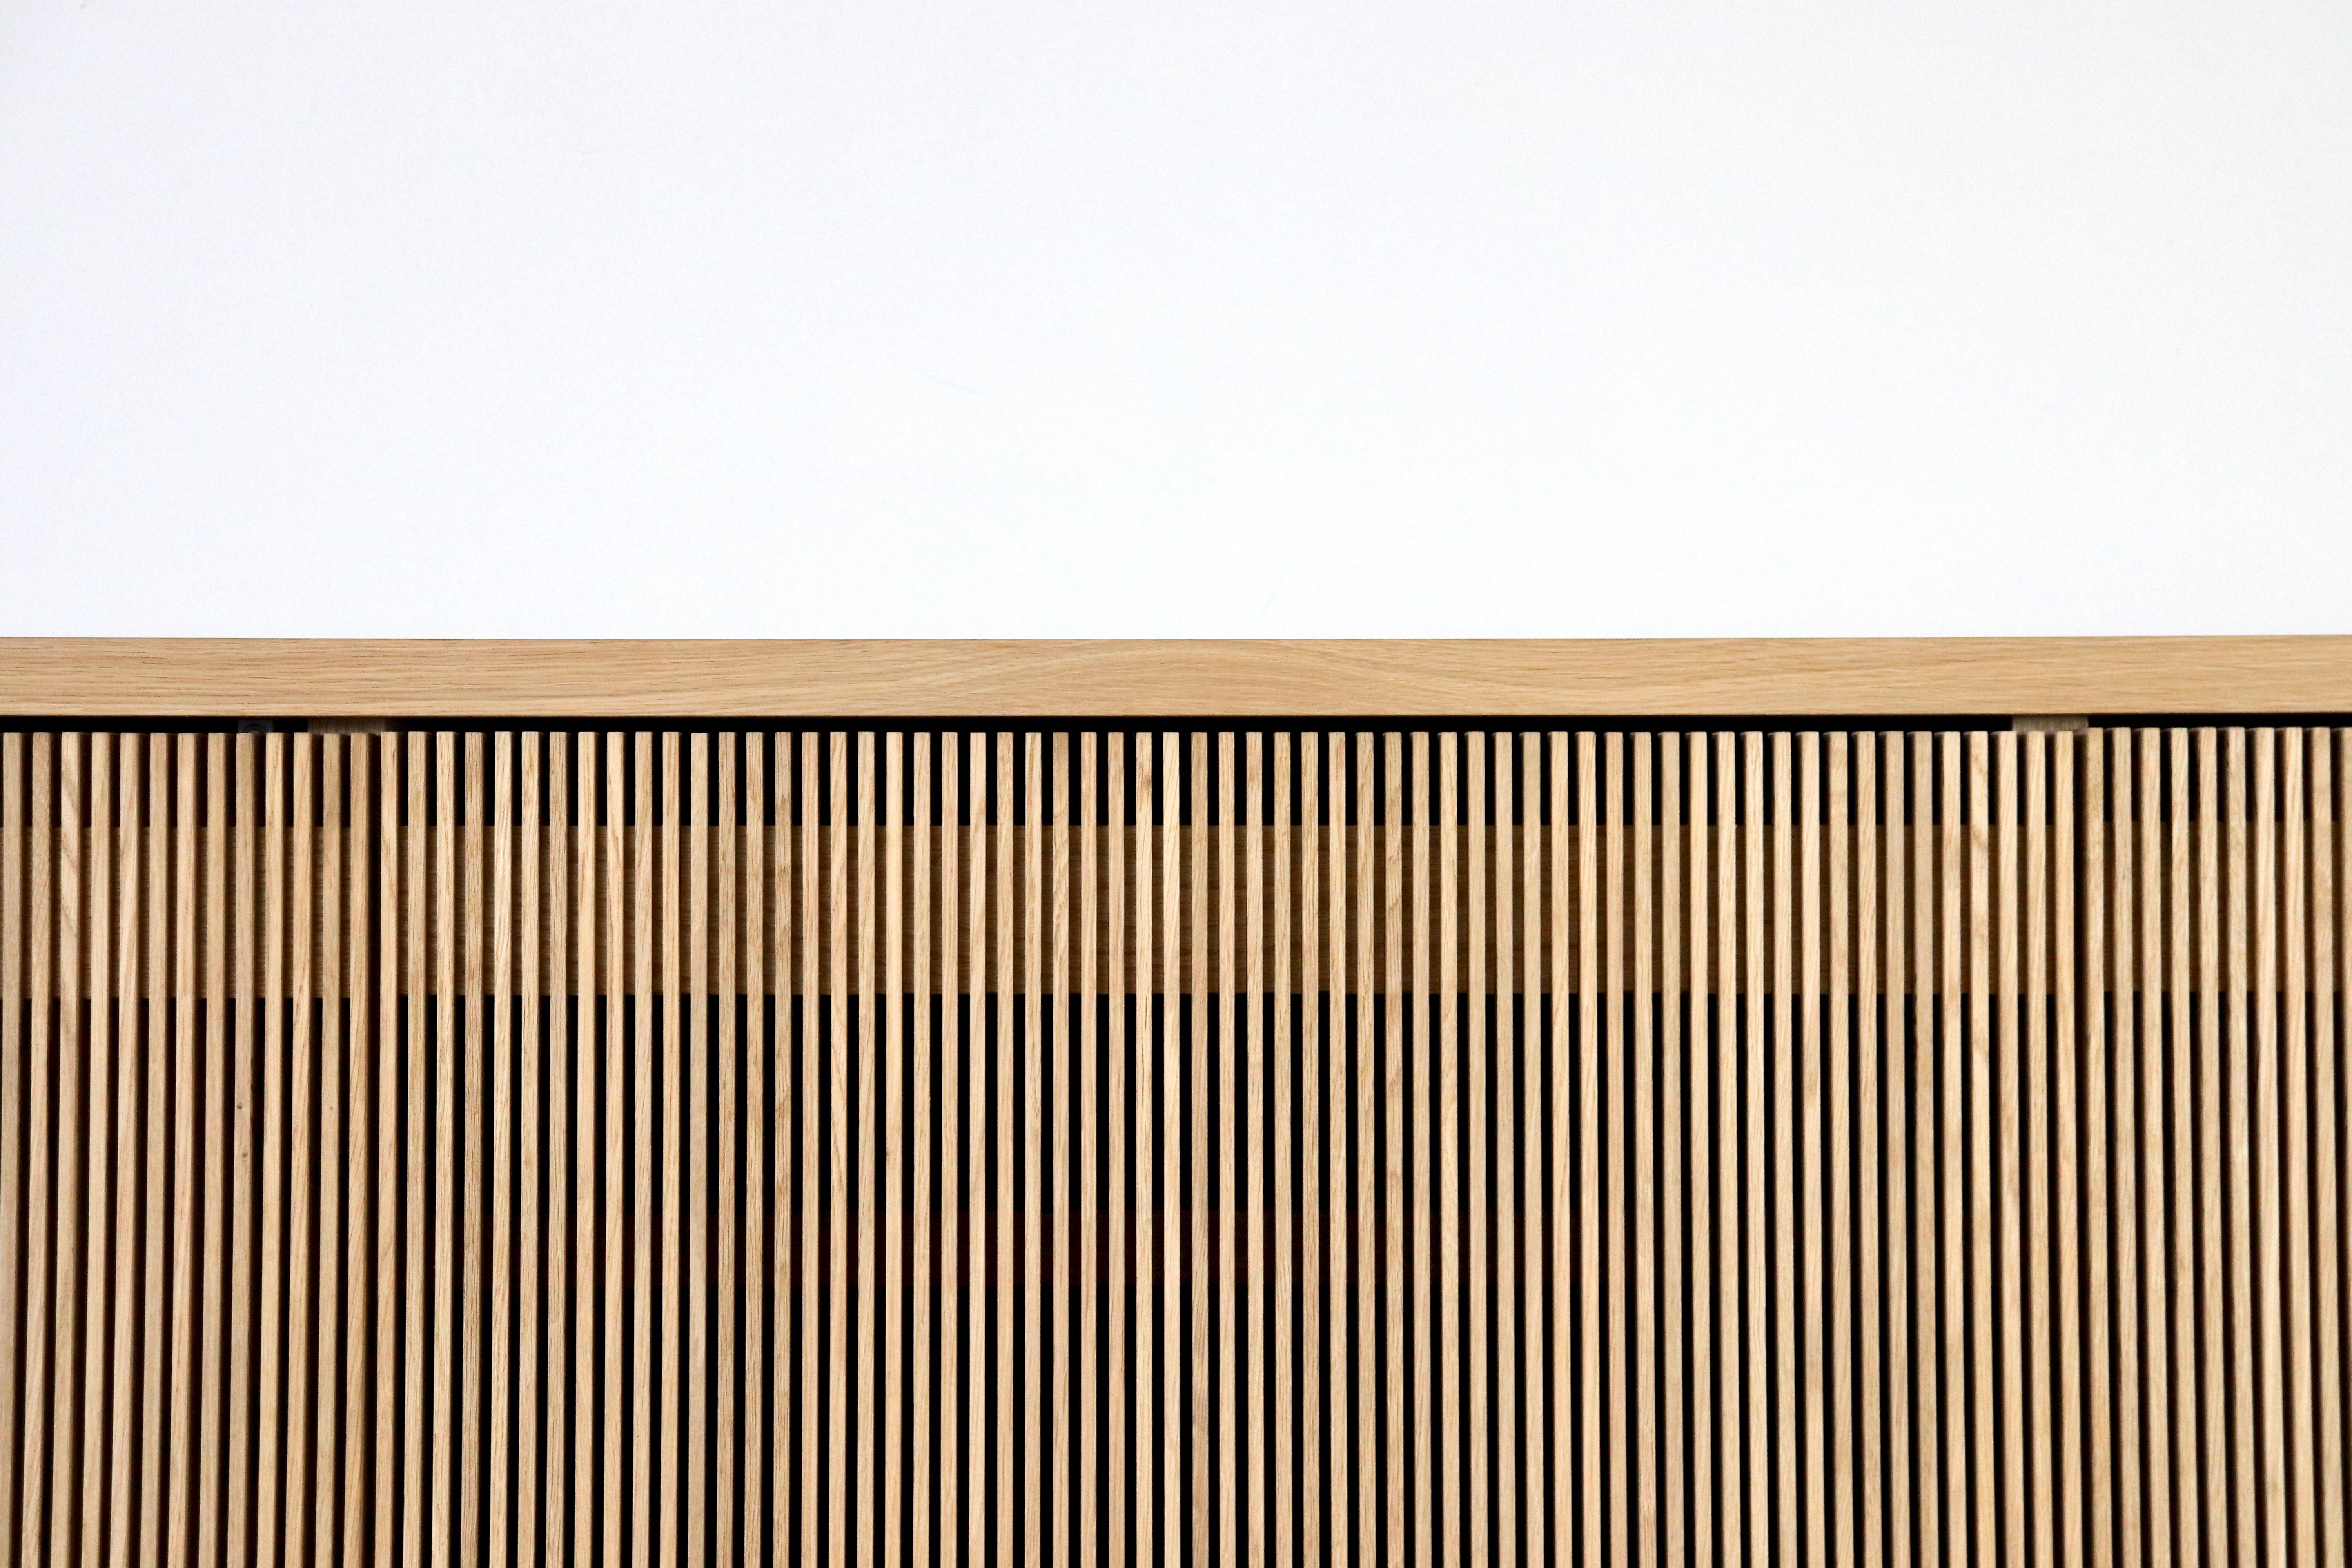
1031, 1300
2188, 1488
1279, 1500
1873, 1166
959, 1132
2068, 1401
2267, 1238
883, 1038
1364, 1537
1982, 1136
1250, 1201
750, 855
2237, 1098
1710, 1005
1416, 1256
1511, 1491
1083, 1118
2213, 1347
1642, 1390
1056, 1088
498, 1190
1951, 1105
1801, 1012
1589, 1433
1619, 1434
1223, 1192
16, 1046
1397, 1503
1118, 1198
1005, 1275
2299, 1417
1459, 1254
1843, 1300
157, 1125
1530, 1500
83, 1158
1755, 1233
32, 1458
303, 1088
812, 1276
2149, 1030
1785, 1221
2038, 1499
922, 1092
2331, 942
521, 1010
1904, 1006
2008, 1225
1481, 1054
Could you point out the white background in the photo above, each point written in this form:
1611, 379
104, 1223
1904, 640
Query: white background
1225, 317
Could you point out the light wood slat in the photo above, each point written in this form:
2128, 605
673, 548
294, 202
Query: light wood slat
2037, 1498
1119, 1198
1801, 1009
468, 1052
1418, 1254
1248, 1436
1050, 1091
41, 1412
568, 1525
248, 939
1006, 1274
883, 1038
1365, 1476
2121, 982
2237, 1097
85, 784
2268, 1161
1837, 1540
1978, 939
2099, 1371
609, 875
1561, 1302
1528, 1506
1459, 1254
641, 1120
2067, 1049
811, 1274
2331, 864
1319, 1151
106, 1263
1590, 1434
157, 1125
303, 1090
1707, 1426
15, 1069
519, 1009
1222, 1193
2006, 1377
1392, 1195
1034, 1299
1785, 1219
383, 1272
2188, 1479
836, 1447
1201, 1196
956, 1185
2332, 946
1082, 1119
1511, 1501
1874, 1167
499, 1193
1278, 1502
1904, 1009
2212, 1261
1478, 1054
688, 1050
2148, 1030
1619, 1429
1952, 1190
2299, 1415
1168, 1230
763, 876
669, 1410
1758, 1541
921, 1056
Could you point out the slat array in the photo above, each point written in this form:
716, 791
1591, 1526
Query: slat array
1217, 1147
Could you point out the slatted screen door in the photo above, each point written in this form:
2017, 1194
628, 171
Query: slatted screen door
1396, 1144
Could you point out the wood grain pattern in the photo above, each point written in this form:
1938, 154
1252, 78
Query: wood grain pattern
1227, 1145
378, 677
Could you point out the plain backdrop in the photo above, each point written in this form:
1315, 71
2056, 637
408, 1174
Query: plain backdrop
1214, 318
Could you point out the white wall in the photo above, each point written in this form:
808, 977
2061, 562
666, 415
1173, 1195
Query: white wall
1278, 317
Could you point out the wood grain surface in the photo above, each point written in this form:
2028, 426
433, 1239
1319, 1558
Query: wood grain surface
365, 677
